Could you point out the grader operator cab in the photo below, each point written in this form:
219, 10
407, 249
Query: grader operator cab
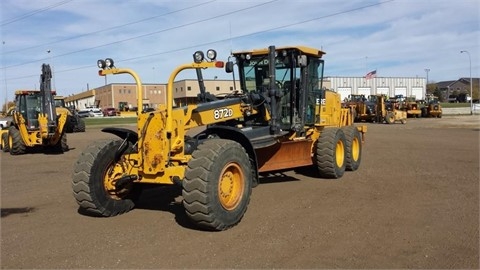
279, 119
35, 121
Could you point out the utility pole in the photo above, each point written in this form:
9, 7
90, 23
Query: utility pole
5, 76
471, 82
426, 84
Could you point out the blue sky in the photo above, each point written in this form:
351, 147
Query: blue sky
398, 38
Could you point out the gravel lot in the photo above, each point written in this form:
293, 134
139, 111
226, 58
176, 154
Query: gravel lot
414, 203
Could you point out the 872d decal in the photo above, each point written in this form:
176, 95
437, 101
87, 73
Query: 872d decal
222, 113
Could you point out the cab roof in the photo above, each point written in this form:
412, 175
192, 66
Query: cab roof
304, 49
27, 92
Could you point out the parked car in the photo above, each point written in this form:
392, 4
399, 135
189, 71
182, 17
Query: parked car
83, 113
95, 112
109, 112
5, 122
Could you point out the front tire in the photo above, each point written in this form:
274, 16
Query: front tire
329, 155
92, 184
390, 118
15, 142
217, 185
61, 146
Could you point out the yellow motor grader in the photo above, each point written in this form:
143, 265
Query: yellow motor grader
280, 118
388, 111
35, 122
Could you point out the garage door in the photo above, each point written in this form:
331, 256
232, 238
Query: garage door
417, 92
364, 91
344, 92
383, 91
401, 91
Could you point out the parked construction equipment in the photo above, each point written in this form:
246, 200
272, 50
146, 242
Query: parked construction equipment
411, 106
387, 111
432, 107
279, 118
35, 122
74, 122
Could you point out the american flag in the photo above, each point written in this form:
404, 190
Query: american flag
371, 74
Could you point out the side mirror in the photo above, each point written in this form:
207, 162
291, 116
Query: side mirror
302, 60
229, 67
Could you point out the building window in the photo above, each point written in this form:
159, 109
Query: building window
129, 91
218, 88
189, 88
181, 89
231, 88
120, 91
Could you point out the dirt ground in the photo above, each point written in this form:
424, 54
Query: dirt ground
414, 203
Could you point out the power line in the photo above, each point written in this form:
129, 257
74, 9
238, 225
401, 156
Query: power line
110, 28
143, 35
216, 41
24, 16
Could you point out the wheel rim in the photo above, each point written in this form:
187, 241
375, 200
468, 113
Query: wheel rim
231, 186
355, 148
339, 153
112, 174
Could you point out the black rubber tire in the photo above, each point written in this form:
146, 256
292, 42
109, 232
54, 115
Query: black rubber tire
5, 145
390, 118
80, 126
15, 142
325, 156
61, 145
69, 124
211, 165
88, 181
353, 147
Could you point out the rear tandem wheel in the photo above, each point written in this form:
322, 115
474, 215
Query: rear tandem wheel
5, 145
353, 147
329, 156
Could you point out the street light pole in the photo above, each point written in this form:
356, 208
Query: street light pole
426, 85
471, 83
5, 75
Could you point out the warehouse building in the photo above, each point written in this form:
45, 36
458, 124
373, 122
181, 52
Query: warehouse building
390, 86
123, 96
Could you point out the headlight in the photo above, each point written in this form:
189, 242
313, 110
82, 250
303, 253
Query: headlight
101, 64
109, 62
211, 55
198, 56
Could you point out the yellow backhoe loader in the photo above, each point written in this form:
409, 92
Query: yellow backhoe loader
35, 122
